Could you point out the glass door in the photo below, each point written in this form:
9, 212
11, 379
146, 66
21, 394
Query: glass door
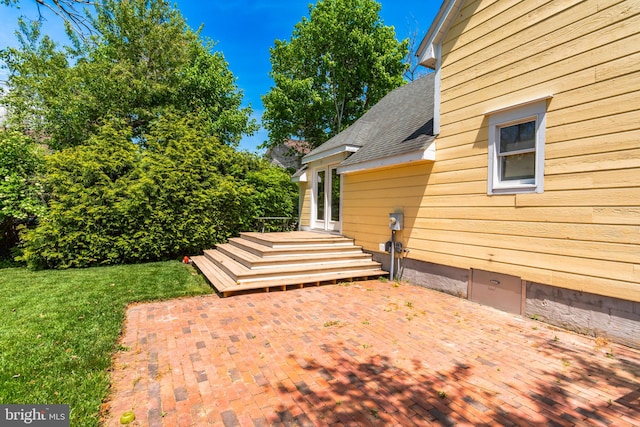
333, 215
326, 196
319, 199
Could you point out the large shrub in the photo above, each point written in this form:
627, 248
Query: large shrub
274, 195
21, 162
119, 199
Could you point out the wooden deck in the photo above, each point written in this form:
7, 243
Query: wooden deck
265, 261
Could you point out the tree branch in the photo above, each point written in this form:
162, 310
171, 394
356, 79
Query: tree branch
414, 70
66, 10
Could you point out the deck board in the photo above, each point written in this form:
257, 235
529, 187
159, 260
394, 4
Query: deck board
267, 250
295, 238
252, 260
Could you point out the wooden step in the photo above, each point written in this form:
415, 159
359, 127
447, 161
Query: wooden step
316, 277
278, 260
251, 260
241, 273
267, 250
219, 278
296, 238
226, 286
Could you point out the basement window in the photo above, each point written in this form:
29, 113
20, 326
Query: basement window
516, 149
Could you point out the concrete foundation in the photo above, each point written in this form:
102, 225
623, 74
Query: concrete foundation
615, 319
450, 280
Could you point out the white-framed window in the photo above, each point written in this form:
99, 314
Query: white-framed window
516, 149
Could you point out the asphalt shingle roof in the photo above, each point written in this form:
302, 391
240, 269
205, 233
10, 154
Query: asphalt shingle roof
401, 122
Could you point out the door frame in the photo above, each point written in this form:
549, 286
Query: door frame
325, 223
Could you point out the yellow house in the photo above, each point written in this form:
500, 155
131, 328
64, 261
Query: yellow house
515, 165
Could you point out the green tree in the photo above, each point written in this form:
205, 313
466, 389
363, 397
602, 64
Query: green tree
38, 77
142, 61
339, 62
114, 201
21, 162
143, 118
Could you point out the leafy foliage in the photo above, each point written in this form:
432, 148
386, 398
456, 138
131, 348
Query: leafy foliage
338, 64
37, 75
143, 61
114, 201
144, 117
21, 162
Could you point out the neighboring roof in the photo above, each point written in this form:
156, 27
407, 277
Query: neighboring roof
298, 146
288, 154
398, 128
427, 49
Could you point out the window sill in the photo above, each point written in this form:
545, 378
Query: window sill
514, 189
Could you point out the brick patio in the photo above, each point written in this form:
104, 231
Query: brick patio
366, 353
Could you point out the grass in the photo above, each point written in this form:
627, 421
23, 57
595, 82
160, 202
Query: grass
60, 329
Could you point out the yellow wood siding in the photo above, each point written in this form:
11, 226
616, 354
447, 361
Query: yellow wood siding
305, 204
583, 232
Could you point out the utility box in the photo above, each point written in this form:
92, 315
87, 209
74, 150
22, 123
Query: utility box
395, 221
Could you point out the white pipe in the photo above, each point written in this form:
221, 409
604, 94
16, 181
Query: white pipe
393, 254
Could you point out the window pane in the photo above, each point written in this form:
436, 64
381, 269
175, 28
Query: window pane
518, 166
518, 137
335, 195
320, 196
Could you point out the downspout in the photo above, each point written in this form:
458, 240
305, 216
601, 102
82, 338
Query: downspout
393, 255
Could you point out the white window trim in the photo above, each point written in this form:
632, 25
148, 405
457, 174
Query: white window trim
436, 90
535, 110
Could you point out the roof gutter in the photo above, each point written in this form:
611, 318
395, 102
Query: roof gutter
311, 157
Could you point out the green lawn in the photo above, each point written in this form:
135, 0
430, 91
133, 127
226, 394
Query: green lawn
59, 329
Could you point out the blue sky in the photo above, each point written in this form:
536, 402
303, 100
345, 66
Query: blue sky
244, 30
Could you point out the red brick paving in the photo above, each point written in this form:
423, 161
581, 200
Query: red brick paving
366, 354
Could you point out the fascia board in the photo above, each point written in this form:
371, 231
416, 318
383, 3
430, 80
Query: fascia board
428, 154
331, 152
426, 52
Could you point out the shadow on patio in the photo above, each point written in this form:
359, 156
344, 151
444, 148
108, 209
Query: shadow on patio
365, 353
